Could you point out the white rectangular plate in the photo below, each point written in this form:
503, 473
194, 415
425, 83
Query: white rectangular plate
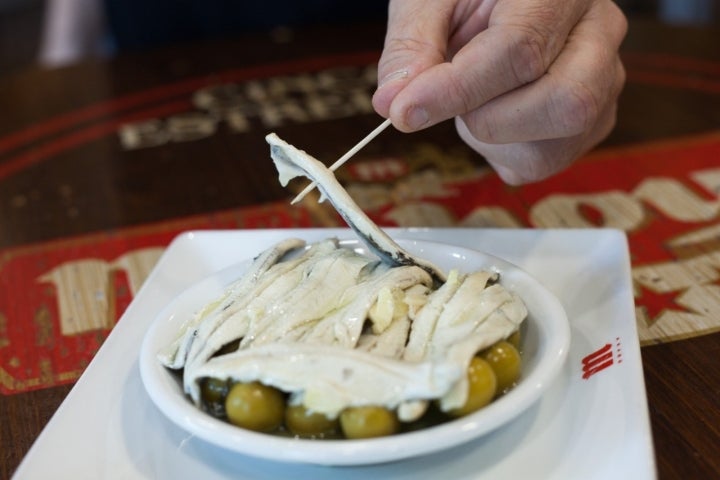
591, 424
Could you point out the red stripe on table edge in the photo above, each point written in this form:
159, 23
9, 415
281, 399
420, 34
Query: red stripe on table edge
682, 142
106, 107
665, 61
87, 134
68, 120
682, 82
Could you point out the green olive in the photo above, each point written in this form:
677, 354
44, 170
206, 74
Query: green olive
255, 406
213, 390
301, 421
505, 361
368, 422
482, 386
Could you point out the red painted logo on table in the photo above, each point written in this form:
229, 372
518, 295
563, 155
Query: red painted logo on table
58, 300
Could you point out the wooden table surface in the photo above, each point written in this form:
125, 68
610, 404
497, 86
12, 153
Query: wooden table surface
80, 155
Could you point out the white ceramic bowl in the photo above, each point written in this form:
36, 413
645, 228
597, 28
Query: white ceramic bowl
546, 338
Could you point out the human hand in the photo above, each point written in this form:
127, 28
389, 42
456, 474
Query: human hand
532, 84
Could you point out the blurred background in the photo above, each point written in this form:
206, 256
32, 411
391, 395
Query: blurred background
54, 33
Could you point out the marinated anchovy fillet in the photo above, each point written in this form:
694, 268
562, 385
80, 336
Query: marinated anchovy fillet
328, 379
291, 162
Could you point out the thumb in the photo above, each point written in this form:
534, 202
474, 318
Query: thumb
416, 39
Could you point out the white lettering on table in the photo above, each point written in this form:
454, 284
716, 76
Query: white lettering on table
626, 211
268, 103
619, 210
84, 288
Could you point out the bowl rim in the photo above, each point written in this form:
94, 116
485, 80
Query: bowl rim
553, 342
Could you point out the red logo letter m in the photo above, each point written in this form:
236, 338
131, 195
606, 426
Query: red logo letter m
596, 361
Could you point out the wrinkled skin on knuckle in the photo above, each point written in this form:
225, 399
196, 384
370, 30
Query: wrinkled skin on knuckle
536, 31
483, 127
409, 38
465, 89
398, 50
527, 53
583, 99
579, 108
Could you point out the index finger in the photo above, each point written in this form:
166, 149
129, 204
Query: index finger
416, 39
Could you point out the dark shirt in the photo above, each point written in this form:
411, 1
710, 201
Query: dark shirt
136, 24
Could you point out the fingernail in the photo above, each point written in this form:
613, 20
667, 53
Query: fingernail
417, 117
397, 75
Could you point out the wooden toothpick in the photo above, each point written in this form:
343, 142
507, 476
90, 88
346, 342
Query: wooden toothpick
345, 157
